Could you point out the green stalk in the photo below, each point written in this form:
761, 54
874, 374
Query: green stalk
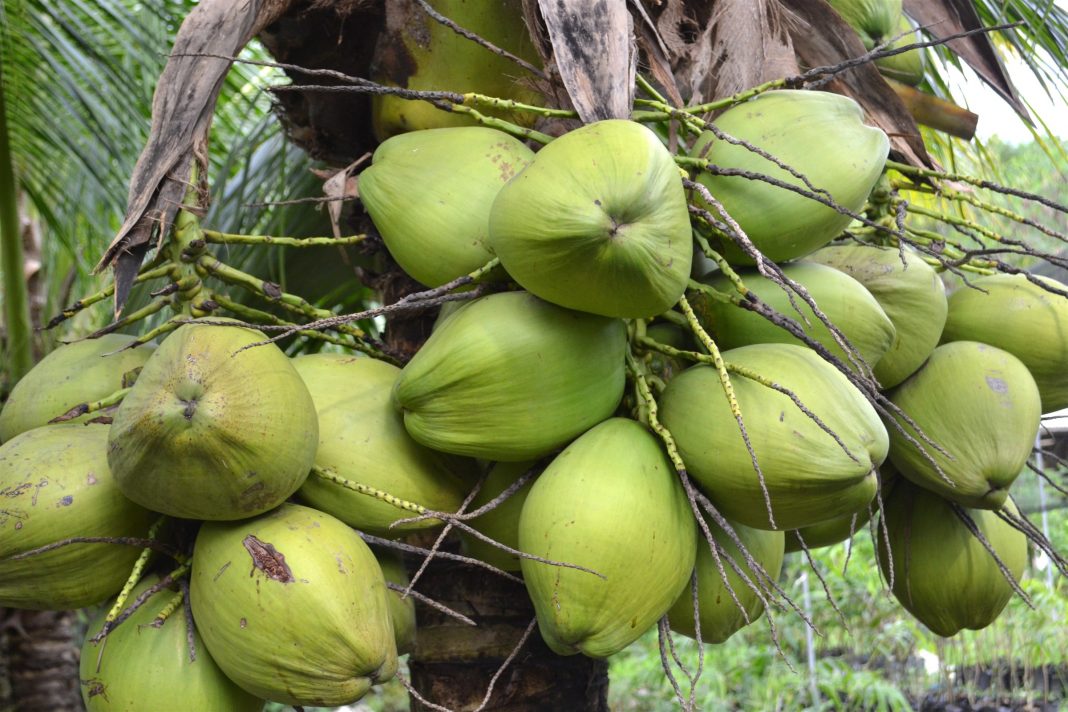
16, 295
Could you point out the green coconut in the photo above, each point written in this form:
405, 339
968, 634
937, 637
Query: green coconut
874, 20
419, 53
598, 222
819, 134
293, 607
502, 522
808, 476
54, 485
981, 405
76, 373
720, 615
844, 300
613, 503
211, 431
142, 666
907, 67
838, 529
943, 574
511, 377
362, 439
1016, 315
401, 610
429, 194
910, 293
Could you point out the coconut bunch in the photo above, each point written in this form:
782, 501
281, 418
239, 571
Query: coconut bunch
659, 365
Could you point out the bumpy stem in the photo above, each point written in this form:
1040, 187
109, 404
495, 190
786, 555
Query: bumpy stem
222, 238
331, 476
91, 407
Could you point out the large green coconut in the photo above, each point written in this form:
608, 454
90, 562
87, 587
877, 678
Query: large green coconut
909, 291
943, 574
598, 222
430, 192
293, 607
417, 52
511, 377
819, 134
54, 485
720, 615
80, 372
141, 666
211, 431
907, 67
844, 300
613, 503
876, 21
1016, 315
808, 476
502, 522
401, 610
981, 405
362, 439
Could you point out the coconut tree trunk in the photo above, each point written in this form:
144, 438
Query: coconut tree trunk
41, 661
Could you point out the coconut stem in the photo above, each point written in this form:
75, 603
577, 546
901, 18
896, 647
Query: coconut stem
135, 575
155, 588
131, 318
915, 171
168, 610
105, 293
331, 476
728, 391
431, 602
409, 548
222, 238
91, 407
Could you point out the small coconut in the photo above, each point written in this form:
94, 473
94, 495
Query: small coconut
909, 291
511, 377
981, 405
819, 134
73, 374
838, 529
214, 430
293, 607
907, 67
808, 475
844, 300
143, 665
943, 574
610, 502
362, 439
720, 615
874, 20
1015, 314
429, 194
55, 485
401, 609
598, 222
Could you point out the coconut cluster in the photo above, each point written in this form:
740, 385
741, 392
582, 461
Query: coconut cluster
277, 465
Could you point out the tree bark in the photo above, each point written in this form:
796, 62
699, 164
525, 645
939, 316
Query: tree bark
42, 661
453, 663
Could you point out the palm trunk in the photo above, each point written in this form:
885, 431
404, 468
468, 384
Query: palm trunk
42, 662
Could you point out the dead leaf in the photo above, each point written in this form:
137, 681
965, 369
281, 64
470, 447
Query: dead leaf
941, 18
593, 46
182, 109
823, 38
750, 45
339, 187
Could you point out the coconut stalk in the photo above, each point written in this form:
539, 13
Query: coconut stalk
19, 332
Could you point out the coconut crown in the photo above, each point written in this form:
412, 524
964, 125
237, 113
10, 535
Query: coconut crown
597, 222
